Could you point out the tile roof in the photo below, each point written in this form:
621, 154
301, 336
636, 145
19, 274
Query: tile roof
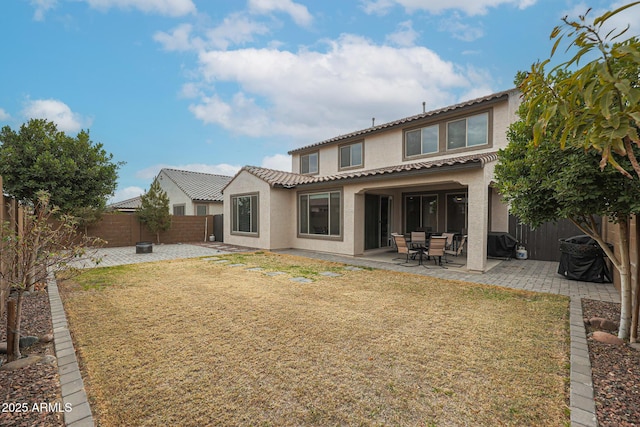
198, 185
132, 203
402, 122
277, 178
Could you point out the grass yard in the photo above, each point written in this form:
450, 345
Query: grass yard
198, 342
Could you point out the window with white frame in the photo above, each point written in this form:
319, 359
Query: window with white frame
421, 141
309, 163
179, 210
351, 155
244, 213
319, 213
468, 132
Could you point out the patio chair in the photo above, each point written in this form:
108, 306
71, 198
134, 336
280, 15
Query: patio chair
457, 251
436, 249
401, 245
449, 237
418, 239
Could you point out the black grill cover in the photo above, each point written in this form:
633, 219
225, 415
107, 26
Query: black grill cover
581, 258
501, 245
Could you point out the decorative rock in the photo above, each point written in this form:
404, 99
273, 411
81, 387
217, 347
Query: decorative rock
46, 338
606, 324
28, 341
301, 280
607, 338
275, 273
21, 363
49, 360
255, 269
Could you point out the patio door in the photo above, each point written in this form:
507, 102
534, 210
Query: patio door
377, 220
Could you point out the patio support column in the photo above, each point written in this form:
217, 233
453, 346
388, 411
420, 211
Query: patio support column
478, 219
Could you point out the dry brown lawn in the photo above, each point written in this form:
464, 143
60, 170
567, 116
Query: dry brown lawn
196, 342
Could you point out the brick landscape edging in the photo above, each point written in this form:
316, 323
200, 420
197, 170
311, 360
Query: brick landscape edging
71, 384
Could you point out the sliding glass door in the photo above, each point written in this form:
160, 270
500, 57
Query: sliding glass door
421, 212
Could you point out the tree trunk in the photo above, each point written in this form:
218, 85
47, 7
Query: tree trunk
11, 327
625, 281
15, 329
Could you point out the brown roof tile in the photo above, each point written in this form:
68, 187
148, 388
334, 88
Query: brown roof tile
277, 178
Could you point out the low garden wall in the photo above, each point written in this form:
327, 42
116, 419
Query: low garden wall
125, 230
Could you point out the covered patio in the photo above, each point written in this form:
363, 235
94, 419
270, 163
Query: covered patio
390, 256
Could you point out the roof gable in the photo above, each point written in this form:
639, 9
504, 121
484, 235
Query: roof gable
198, 185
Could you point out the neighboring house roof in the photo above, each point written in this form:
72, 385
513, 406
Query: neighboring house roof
125, 205
277, 178
198, 186
404, 121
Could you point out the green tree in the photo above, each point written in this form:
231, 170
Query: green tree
78, 174
35, 248
154, 210
599, 106
599, 102
544, 183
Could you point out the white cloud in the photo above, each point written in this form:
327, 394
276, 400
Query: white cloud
179, 39
377, 7
57, 112
313, 94
281, 162
220, 169
299, 13
459, 30
235, 29
162, 7
126, 193
475, 7
4, 115
405, 35
42, 6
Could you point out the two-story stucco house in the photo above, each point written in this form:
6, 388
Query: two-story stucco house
346, 195
193, 193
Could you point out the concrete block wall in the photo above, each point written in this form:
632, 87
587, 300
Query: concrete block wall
125, 230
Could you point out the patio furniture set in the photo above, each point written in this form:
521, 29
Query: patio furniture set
419, 245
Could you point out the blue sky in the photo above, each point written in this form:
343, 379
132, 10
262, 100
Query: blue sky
213, 85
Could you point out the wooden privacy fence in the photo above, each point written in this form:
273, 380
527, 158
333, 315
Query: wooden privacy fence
542, 243
11, 213
119, 229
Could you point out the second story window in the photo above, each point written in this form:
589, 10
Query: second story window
309, 163
468, 132
421, 141
351, 155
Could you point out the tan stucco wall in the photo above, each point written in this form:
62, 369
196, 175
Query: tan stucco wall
386, 148
245, 183
175, 194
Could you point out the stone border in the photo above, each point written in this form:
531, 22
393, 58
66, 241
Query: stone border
581, 397
71, 383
